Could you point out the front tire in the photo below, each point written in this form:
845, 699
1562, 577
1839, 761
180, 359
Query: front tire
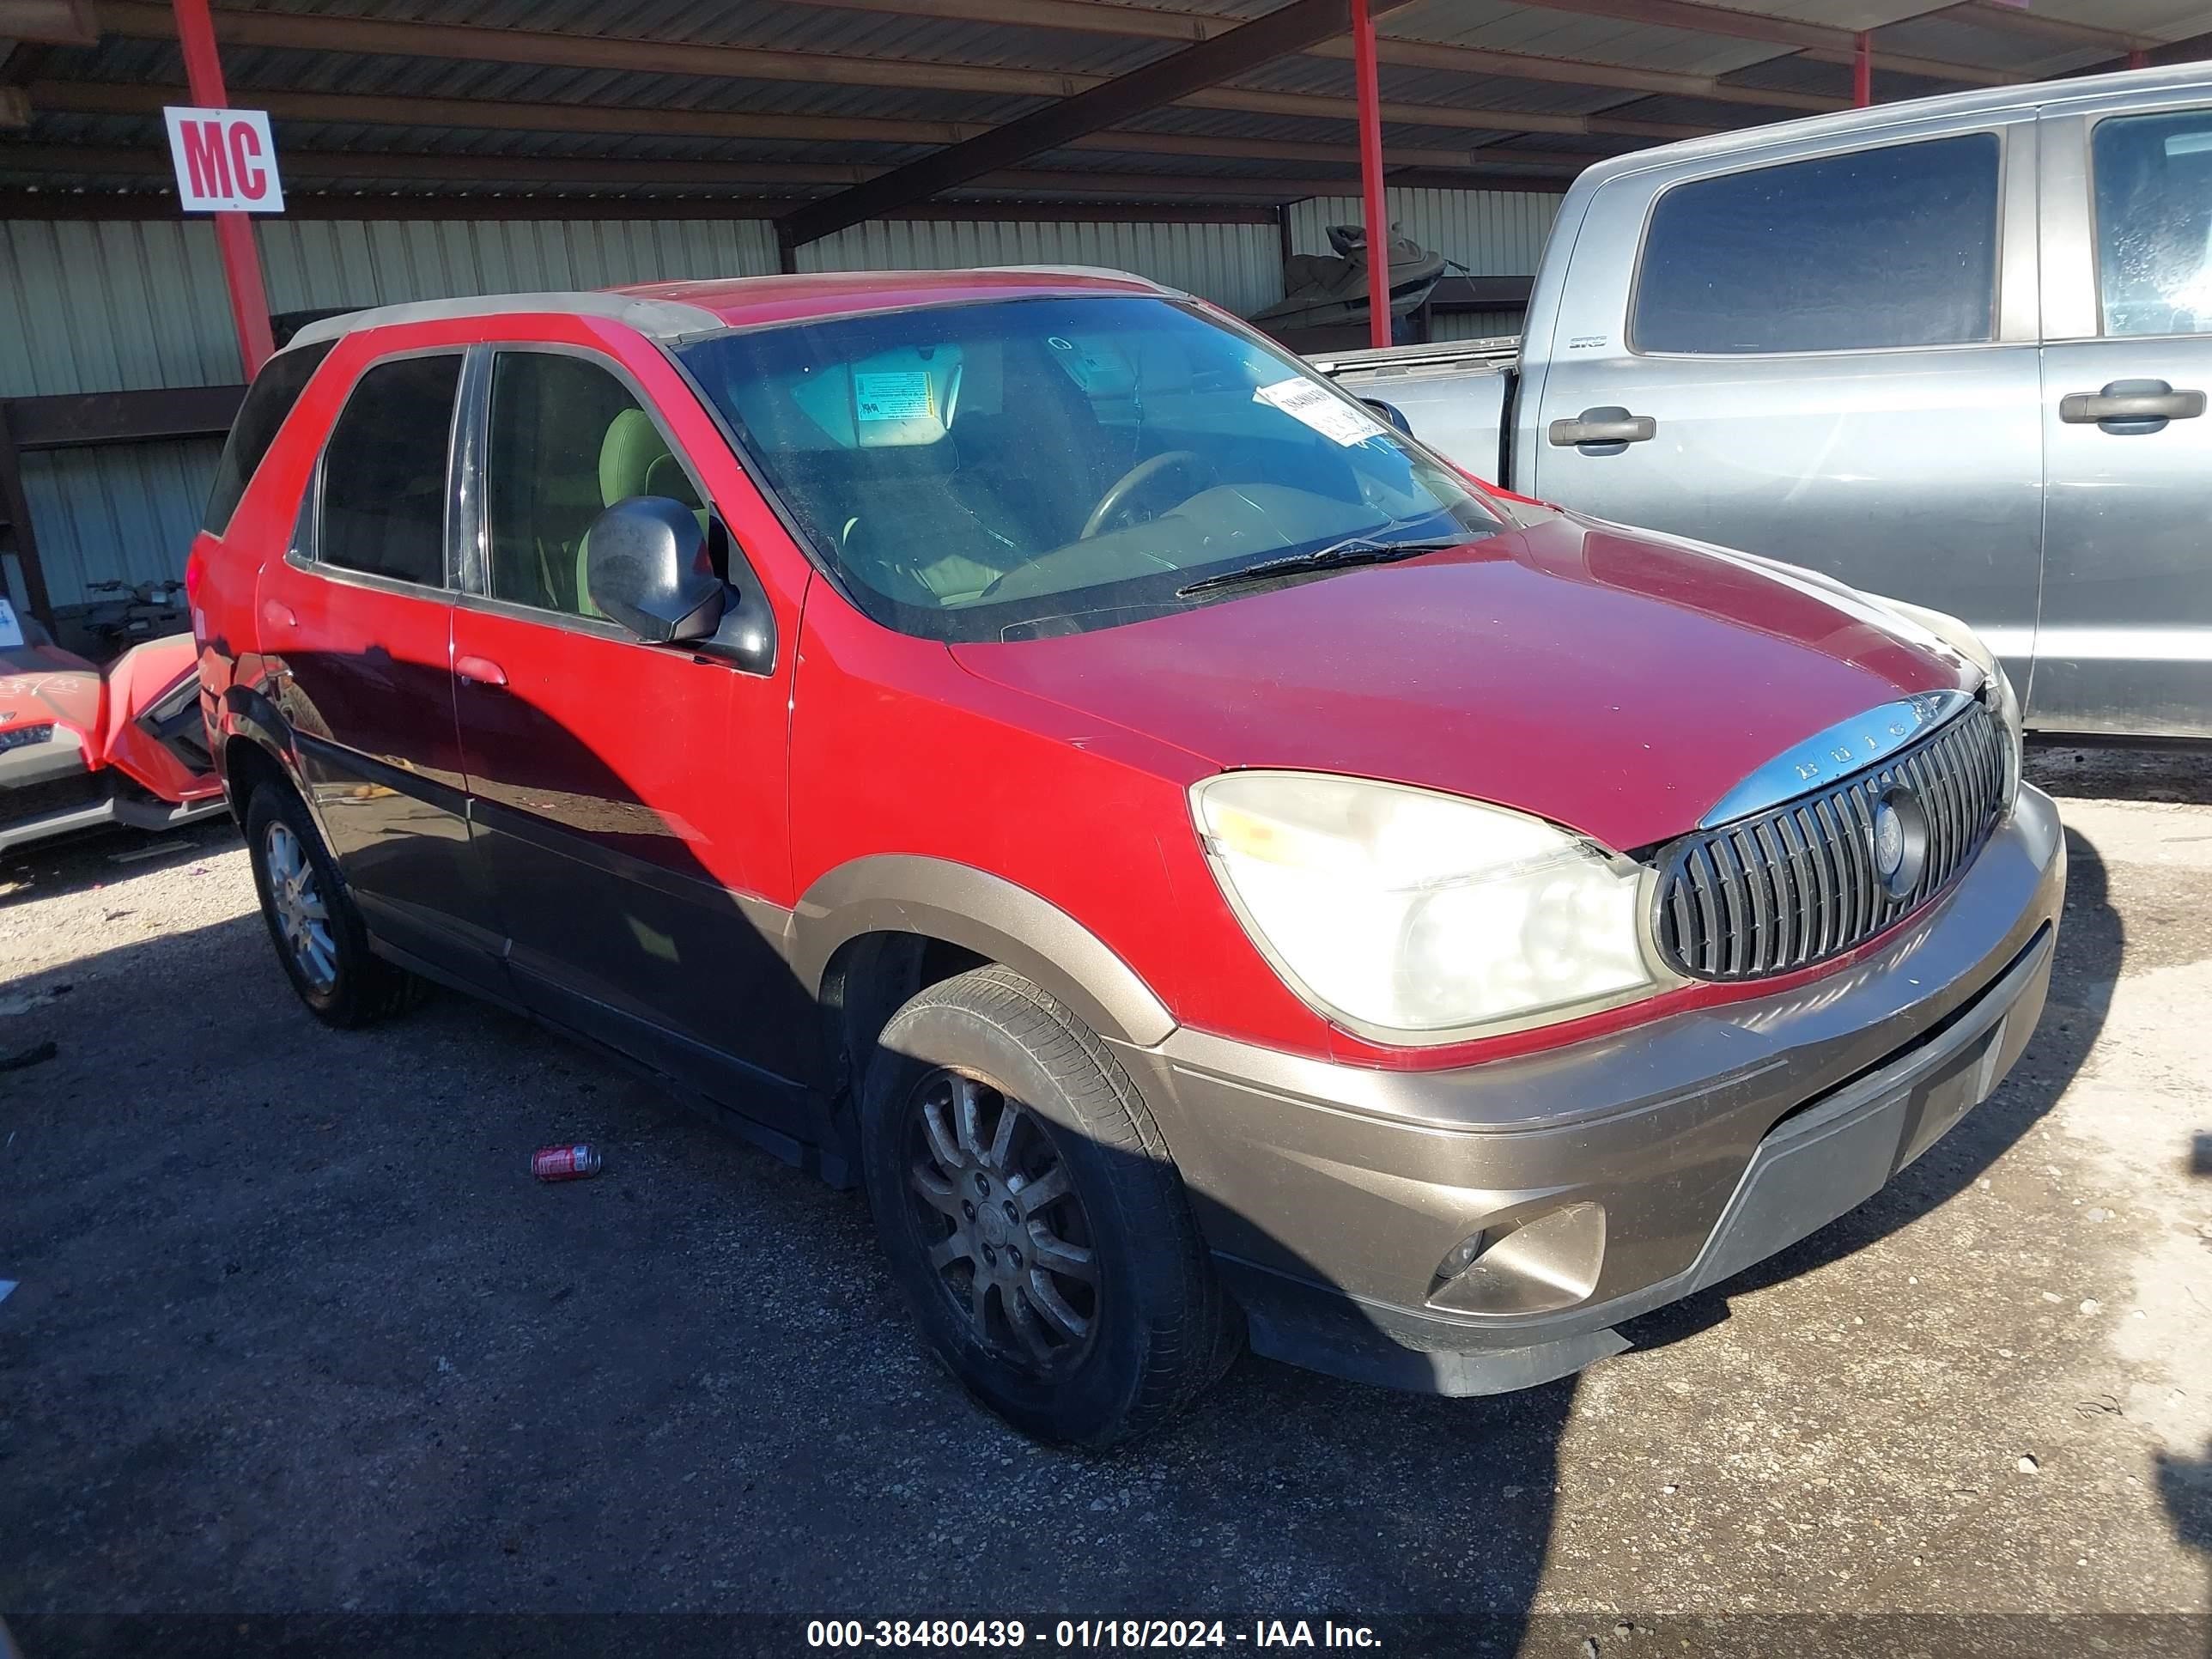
319, 938
1033, 1217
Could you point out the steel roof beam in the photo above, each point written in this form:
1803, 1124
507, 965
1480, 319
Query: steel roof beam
641, 173
1822, 42
103, 205
2011, 20
142, 99
375, 36
1578, 72
1286, 30
50, 22
142, 19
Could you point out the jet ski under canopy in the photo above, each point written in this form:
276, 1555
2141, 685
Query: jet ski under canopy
1321, 289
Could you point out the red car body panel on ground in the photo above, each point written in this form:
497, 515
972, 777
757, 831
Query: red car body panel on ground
100, 718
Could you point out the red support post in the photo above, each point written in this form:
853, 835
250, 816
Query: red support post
234, 232
1863, 70
1371, 174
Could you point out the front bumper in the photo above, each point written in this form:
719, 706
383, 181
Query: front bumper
1635, 1168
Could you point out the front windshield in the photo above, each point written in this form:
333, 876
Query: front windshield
1021, 468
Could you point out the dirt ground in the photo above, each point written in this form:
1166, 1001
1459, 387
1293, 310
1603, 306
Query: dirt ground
294, 1332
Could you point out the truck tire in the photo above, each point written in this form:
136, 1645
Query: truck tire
1034, 1219
319, 934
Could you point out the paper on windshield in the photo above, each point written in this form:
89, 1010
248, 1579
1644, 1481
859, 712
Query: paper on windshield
1321, 410
11, 631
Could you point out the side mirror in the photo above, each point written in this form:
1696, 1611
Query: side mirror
1391, 413
647, 567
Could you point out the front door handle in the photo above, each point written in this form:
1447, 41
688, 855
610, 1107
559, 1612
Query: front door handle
479, 671
277, 614
2130, 407
1606, 430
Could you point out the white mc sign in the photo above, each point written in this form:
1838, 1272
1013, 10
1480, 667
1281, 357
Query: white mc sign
225, 160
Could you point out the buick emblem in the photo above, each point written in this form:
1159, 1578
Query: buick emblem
1901, 840
1888, 840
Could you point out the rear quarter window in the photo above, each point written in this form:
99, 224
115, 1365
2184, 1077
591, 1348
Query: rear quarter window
1886, 247
269, 400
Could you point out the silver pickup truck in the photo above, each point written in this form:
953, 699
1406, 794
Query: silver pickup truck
1955, 350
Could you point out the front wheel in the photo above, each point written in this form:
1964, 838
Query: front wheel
1033, 1217
319, 934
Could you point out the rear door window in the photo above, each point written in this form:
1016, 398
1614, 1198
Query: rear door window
2153, 191
385, 472
1887, 247
276, 389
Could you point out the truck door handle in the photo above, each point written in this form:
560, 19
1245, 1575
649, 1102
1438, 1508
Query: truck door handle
2130, 407
479, 671
1603, 431
277, 614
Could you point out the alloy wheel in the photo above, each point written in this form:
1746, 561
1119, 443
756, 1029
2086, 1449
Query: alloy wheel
1005, 1230
302, 918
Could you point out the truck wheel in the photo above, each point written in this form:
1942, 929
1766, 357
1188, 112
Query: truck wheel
319, 934
1033, 1217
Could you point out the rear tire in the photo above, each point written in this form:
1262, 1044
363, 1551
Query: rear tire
321, 940
1033, 1217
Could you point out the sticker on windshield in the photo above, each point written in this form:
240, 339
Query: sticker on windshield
1321, 410
11, 631
902, 396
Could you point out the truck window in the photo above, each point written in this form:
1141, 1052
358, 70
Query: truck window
1884, 248
2153, 191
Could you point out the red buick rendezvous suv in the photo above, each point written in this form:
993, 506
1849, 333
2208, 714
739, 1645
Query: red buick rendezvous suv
1018, 742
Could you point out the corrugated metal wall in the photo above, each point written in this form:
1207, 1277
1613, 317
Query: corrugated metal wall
124, 306
1239, 266
114, 306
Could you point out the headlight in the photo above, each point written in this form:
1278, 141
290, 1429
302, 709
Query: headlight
1414, 916
2004, 702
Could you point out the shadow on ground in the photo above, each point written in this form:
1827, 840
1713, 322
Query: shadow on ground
2174, 775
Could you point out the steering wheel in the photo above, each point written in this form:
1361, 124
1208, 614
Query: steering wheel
1194, 466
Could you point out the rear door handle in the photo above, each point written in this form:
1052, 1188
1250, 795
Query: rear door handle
2130, 407
277, 614
1606, 430
479, 671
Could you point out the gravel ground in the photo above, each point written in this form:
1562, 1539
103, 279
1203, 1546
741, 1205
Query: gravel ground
296, 1331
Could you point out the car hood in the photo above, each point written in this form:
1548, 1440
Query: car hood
1615, 681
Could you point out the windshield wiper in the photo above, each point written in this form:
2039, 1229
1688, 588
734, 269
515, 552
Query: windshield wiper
1353, 550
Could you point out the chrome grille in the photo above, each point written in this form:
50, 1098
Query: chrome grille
1797, 883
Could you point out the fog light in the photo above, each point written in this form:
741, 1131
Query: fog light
1461, 1256
1538, 1265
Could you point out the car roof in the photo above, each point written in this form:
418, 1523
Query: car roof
676, 311
2039, 94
